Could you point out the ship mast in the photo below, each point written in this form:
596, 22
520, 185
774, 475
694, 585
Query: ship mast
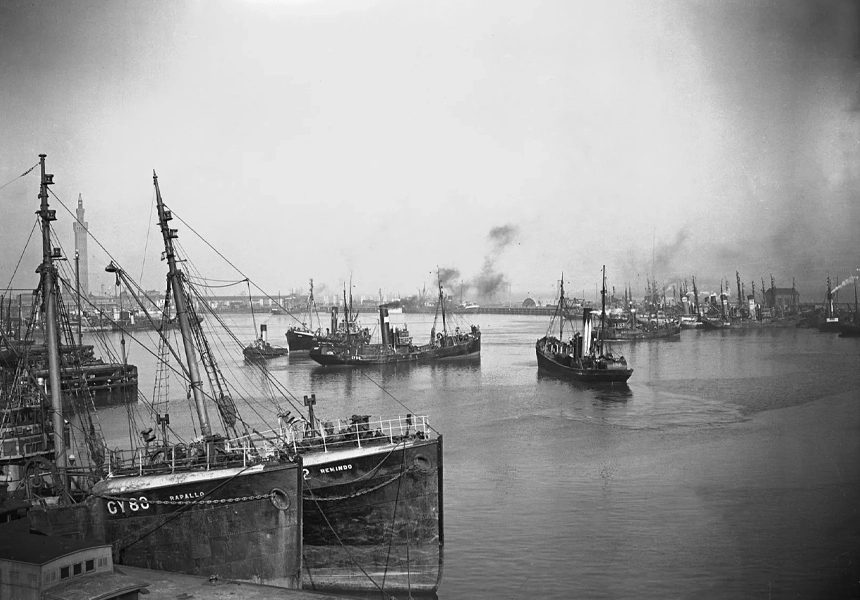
442, 307
561, 309
46, 272
174, 276
602, 309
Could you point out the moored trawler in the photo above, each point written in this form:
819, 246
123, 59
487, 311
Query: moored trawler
207, 507
372, 503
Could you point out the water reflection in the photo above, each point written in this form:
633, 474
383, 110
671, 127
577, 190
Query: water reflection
602, 391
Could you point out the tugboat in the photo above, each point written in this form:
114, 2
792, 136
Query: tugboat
261, 349
582, 358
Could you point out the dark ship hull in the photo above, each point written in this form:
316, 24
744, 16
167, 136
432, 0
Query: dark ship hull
849, 330
240, 523
81, 374
299, 340
635, 335
707, 324
830, 325
251, 353
107, 384
376, 354
567, 367
372, 521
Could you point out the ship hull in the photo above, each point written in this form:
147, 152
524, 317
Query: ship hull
373, 521
300, 341
237, 523
367, 356
637, 335
104, 384
610, 376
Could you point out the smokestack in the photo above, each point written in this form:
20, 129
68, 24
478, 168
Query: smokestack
263, 332
384, 326
333, 319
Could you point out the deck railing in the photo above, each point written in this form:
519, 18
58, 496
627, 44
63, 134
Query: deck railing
294, 437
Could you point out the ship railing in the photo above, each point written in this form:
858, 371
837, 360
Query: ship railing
300, 436
154, 459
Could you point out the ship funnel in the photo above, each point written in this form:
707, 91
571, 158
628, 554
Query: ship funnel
263, 332
333, 319
384, 326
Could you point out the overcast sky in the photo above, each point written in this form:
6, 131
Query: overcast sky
501, 141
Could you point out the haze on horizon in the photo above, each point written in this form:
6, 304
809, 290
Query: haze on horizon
496, 144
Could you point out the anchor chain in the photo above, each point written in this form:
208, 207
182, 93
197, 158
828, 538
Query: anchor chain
268, 496
358, 493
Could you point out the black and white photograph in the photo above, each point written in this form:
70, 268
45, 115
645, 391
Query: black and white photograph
429, 299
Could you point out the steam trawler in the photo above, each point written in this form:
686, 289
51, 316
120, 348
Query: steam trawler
209, 506
582, 358
397, 345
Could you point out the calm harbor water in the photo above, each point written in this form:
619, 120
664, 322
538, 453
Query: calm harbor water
729, 467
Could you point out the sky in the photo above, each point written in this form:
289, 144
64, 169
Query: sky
499, 144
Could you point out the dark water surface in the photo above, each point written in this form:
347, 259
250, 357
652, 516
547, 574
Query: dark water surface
728, 468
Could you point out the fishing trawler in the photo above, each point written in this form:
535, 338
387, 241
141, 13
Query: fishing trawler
369, 488
81, 372
630, 328
202, 507
303, 338
397, 345
584, 357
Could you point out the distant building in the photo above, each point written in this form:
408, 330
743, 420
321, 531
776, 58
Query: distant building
80, 229
781, 297
40, 567
529, 303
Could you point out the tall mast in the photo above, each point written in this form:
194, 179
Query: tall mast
46, 271
602, 309
174, 276
561, 308
442, 305
346, 311
695, 296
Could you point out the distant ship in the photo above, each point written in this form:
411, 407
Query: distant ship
397, 345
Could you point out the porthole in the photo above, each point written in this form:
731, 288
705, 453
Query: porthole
280, 499
422, 463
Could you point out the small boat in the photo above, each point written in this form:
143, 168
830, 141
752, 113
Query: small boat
397, 345
261, 349
582, 358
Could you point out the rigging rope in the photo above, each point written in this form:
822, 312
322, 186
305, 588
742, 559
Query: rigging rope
27, 172
20, 258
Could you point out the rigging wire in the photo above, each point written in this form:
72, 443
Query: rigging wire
215, 250
27, 172
20, 258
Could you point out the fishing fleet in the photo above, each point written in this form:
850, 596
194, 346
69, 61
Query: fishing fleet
283, 495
